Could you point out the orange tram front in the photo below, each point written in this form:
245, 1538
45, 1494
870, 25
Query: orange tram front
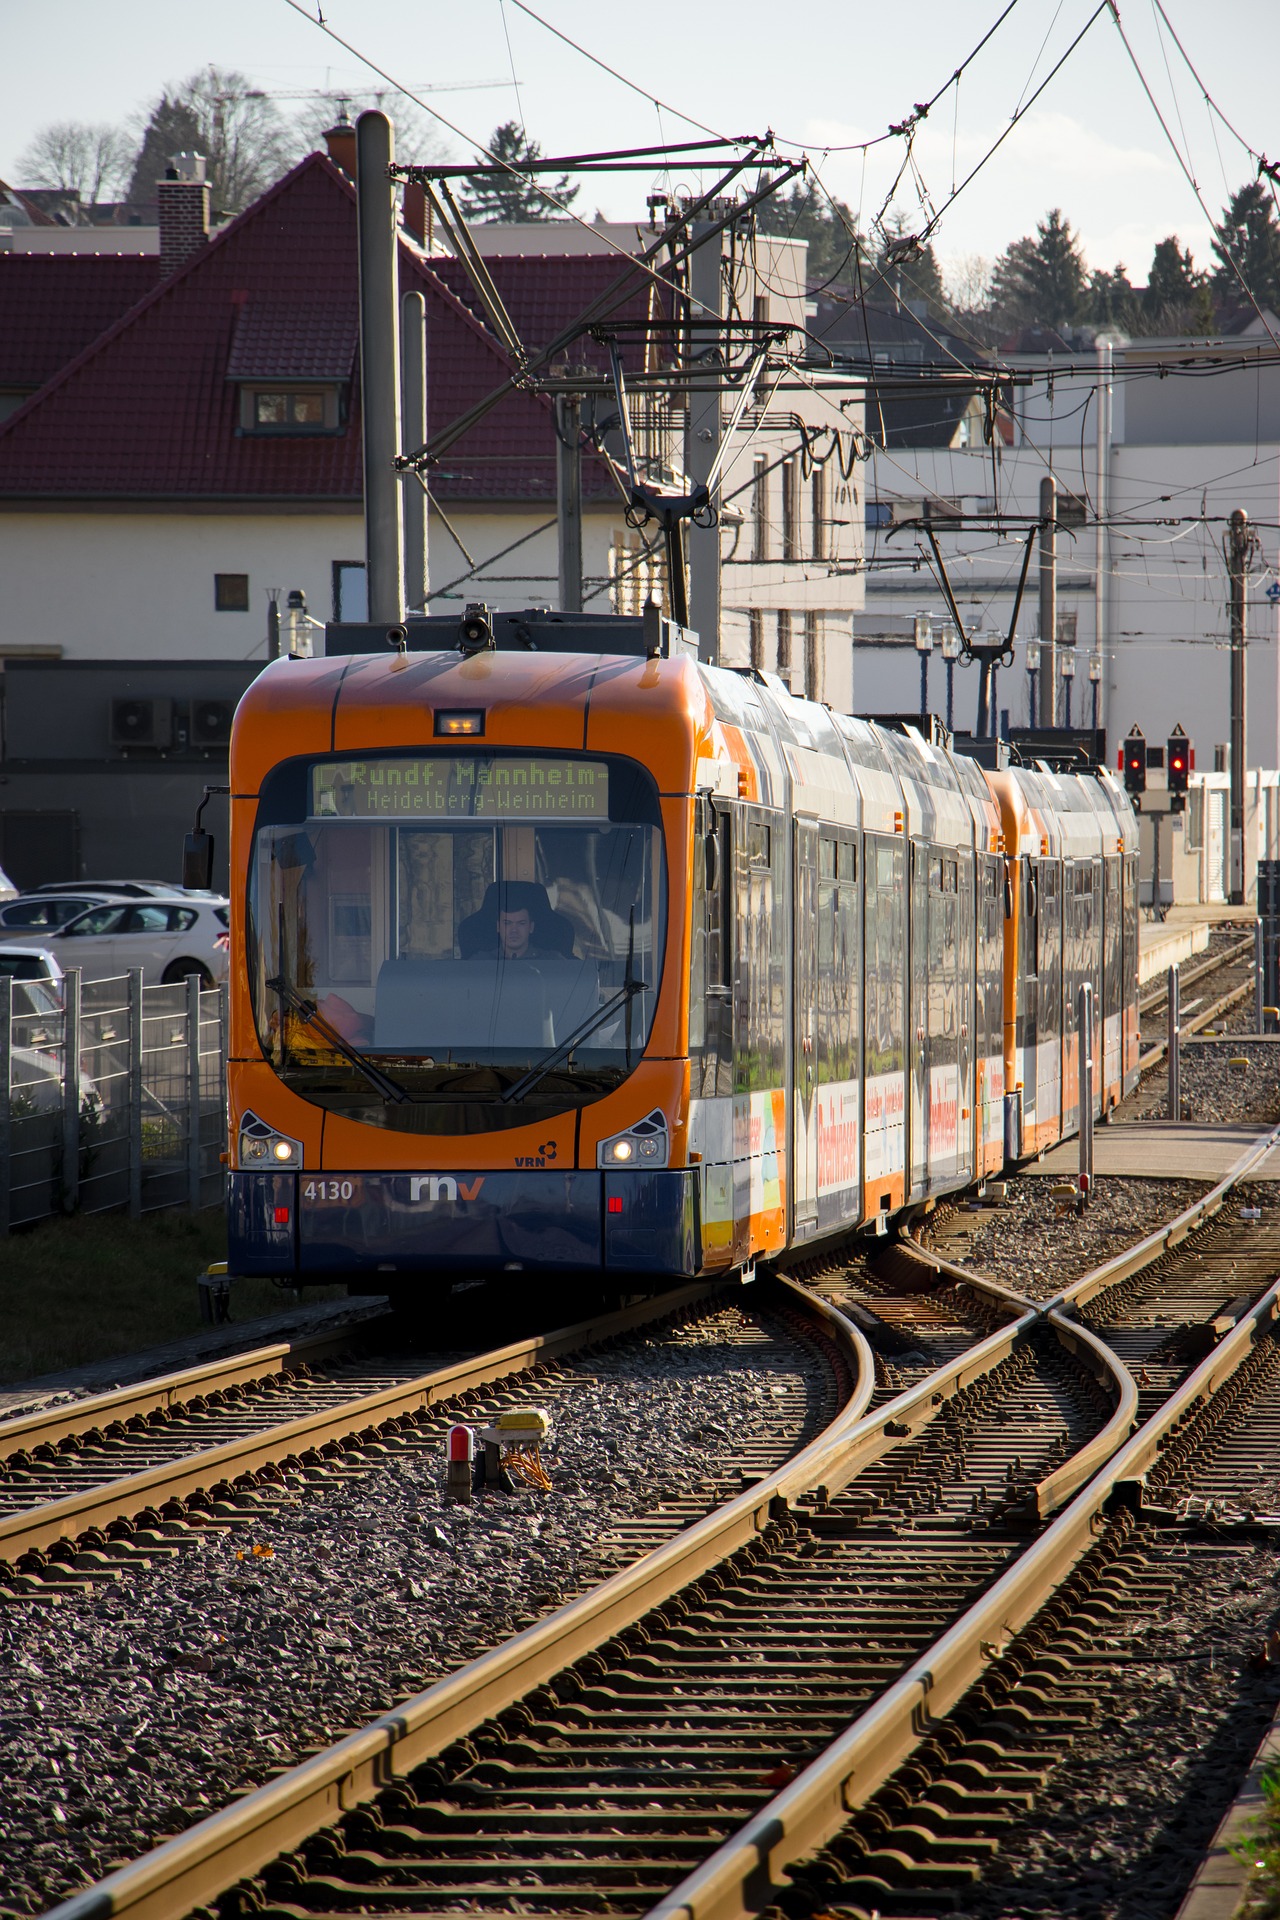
617, 963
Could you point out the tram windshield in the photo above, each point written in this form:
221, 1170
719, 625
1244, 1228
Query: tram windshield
442, 941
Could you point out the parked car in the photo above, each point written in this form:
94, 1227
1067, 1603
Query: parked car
168, 938
36, 1085
38, 913
7, 889
31, 963
124, 889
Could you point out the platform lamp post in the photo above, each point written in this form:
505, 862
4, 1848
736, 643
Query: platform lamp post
924, 647
1068, 677
1033, 675
1095, 679
950, 653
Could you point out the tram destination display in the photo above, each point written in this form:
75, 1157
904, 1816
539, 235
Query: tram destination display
474, 786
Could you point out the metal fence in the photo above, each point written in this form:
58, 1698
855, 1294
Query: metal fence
117, 1101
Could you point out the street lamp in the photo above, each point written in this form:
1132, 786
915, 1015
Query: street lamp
298, 624
950, 653
1033, 674
1068, 675
1095, 675
924, 647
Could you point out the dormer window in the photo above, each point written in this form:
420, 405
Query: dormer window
291, 364
288, 409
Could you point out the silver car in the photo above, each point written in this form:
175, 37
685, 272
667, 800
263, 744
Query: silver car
167, 938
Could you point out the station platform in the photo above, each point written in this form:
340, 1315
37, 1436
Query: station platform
1160, 1150
1184, 931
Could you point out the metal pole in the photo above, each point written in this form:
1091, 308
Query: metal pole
702, 441
135, 1092
379, 367
273, 625
1033, 677
1085, 1024
951, 670
1175, 1036
569, 499
1259, 992
193, 1091
1240, 544
924, 685
1049, 600
1101, 490
1156, 907
413, 433
71, 1090
6, 1111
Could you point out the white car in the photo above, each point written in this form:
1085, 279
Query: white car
35, 914
31, 963
168, 939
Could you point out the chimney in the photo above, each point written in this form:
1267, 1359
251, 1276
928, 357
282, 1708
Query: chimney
183, 197
340, 139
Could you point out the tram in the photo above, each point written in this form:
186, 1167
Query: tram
555, 949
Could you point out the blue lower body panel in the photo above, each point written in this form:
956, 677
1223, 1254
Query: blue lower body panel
325, 1226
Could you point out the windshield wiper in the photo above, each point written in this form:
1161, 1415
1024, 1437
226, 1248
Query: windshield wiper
623, 997
309, 1014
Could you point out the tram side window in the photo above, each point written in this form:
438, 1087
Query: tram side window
759, 958
710, 976
838, 957
885, 897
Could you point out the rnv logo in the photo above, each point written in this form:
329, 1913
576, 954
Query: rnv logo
443, 1186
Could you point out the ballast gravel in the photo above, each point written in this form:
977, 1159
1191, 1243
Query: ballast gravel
127, 1714
1231, 1082
1037, 1245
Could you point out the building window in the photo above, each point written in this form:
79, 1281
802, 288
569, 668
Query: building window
760, 509
820, 516
813, 656
350, 590
784, 645
281, 409
790, 511
231, 592
755, 624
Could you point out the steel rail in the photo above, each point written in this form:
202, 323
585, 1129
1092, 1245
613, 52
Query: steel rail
1154, 1055
1188, 976
169, 1391
194, 1867
747, 1873
36, 1528
197, 1865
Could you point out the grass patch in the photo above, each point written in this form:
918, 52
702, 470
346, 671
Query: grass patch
1259, 1852
97, 1286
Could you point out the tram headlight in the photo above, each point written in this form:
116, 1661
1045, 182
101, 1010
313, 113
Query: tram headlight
261, 1146
647, 1143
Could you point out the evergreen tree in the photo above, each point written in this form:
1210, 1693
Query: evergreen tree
490, 197
172, 128
1176, 299
1250, 237
800, 212
1111, 300
1040, 282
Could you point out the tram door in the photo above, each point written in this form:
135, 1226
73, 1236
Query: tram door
918, 1017
804, 1002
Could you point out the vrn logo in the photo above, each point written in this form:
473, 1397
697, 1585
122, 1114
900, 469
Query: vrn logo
442, 1186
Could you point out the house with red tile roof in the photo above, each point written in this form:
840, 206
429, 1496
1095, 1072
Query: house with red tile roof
186, 441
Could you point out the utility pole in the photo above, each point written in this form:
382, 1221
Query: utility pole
702, 442
569, 499
1240, 548
1048, 602
413, 433
379, 367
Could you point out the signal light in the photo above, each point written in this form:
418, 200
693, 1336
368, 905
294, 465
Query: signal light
1178, 760
1135, 762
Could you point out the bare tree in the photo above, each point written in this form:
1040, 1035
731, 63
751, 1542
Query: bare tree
238, 127
91, 162
967, 277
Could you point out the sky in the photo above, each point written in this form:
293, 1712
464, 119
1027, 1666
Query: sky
1091, 144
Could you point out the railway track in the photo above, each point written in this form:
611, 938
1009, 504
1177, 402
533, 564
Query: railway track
94, 1489
678, 1739
1231, 969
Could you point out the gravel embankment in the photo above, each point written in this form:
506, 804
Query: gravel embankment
1214, 1091
1033, 1244
1183, 1700
128, 1714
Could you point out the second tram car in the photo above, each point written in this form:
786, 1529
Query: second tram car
616, 962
